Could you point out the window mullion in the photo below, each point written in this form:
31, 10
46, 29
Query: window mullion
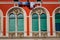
16, 24
0, 24
39, 25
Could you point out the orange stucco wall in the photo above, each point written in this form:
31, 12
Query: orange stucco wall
27, 10
4, 8
49, 7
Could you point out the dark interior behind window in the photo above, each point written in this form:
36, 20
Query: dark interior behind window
16, 0
38, 0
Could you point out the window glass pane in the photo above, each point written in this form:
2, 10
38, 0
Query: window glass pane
35, 22
57, 21
20, 22
11, 22
20, 16
43, 22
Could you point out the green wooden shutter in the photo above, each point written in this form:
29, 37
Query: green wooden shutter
57, 21
11, 22
43, 22
20, 22
35, 26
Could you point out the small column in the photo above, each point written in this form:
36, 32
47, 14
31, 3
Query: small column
51, 26
27, 26
4, 27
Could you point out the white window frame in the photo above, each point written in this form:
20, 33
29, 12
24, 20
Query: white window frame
53, 16
1, 25
25, 24
48, 22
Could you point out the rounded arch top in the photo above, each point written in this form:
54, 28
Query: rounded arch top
56, 10
16, 10
1, 13
40, 10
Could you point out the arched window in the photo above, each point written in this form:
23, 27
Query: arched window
11, 22
43, 22
0, 22
20, 22
35, 24
57, 21
39, 22
0, 25
16, 23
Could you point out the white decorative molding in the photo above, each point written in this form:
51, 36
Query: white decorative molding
53, 17
1, 24
50, 2
8, 2
48, 22
25, 24
32, 2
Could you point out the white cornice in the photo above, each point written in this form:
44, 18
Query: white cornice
8, 2
33, 2
50, 2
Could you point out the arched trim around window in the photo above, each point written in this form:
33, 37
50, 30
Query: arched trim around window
56, 11
53, 17
15, 12
48, 20
1, 23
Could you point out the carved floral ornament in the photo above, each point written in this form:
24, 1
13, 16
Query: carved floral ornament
16, 11
57, 11
38, 10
